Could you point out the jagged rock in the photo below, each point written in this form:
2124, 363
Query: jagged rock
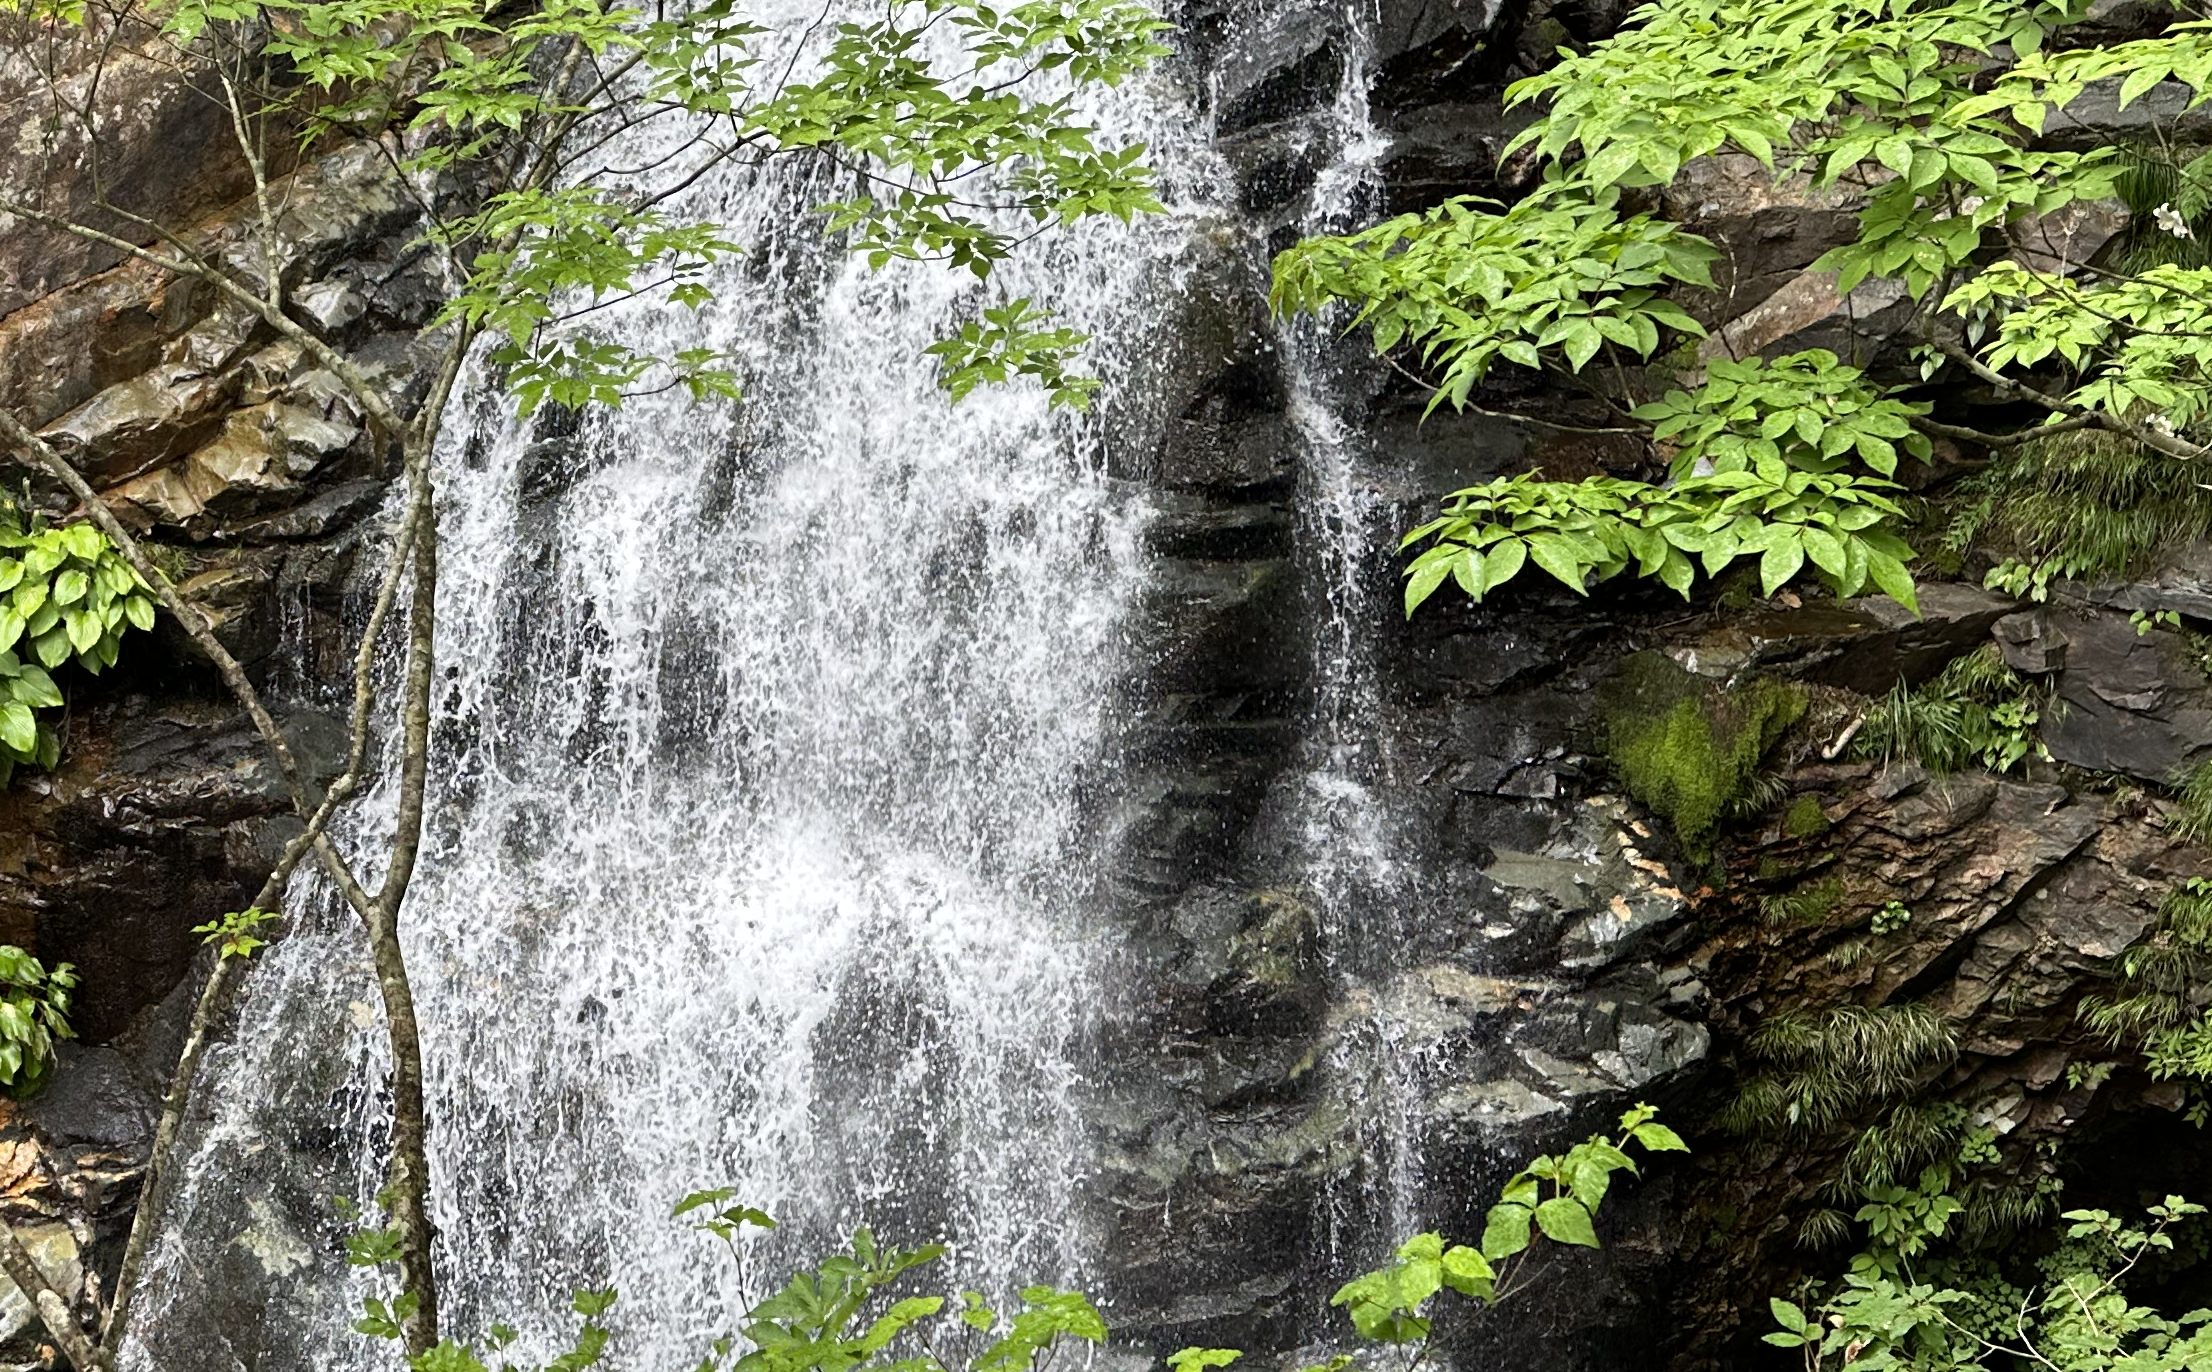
117, 854
2182, 585
263, 457
138, 423
1442, 149
2070, 236
1809, 312
2030, 643
2133, 703
1772, 231
1866, 645
53, 1247
1591, 892
2094, 119
96, 1096
167, 150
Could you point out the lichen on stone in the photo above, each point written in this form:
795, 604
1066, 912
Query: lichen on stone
1685, 747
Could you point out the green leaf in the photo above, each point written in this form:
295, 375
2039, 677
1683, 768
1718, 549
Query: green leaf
1563, 1220
1784, 555
1199, 1359
1890, 577
18, 728
1506, 1231
1422, 582
1559, 557
1659, 1138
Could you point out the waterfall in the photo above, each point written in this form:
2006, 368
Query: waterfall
771, 743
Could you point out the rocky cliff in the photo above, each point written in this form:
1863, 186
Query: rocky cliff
1496, 948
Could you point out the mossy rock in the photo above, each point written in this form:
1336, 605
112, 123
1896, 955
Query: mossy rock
1686, 748
1805, 818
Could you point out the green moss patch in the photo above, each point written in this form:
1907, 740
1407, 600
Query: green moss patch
1805, 819
1686, 749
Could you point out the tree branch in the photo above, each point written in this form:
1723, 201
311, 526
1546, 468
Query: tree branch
2171, 447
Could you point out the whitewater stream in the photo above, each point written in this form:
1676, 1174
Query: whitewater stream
765, 841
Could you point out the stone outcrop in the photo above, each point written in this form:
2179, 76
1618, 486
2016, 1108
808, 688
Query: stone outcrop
249, 477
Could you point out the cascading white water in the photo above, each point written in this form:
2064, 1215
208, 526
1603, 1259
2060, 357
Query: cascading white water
1363, 883
757, 847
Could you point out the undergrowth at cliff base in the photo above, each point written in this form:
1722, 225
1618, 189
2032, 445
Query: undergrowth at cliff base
845, 1315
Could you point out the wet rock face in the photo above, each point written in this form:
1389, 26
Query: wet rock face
249, 477
247, 473
1486, 955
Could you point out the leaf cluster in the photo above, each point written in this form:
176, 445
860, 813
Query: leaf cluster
1929, 111
1556, 1198
1817, 1068
65, 594
237, 934
954, 152
34, 1012
1889, 1318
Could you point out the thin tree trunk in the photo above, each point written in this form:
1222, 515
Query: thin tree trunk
228, 973
410, 1162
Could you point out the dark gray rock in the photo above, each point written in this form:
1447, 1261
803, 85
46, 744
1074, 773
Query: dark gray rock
2132, 703
1866, 645
96, 1096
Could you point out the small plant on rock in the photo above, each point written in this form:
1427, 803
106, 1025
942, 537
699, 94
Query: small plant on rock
34, 1012
1977, 712
65, 593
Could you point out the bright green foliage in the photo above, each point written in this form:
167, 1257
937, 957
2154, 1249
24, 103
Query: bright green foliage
844, 1315
237, 934
1966, 1316
2082, 505
34, 1011
1808, 409
1931, 107
1818, 1068
722, 1219
840, 1316
65, 593
1585, 531
1686, 749
1976, 713
1559, 270
2134, 343
949, 156
1555, 1198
